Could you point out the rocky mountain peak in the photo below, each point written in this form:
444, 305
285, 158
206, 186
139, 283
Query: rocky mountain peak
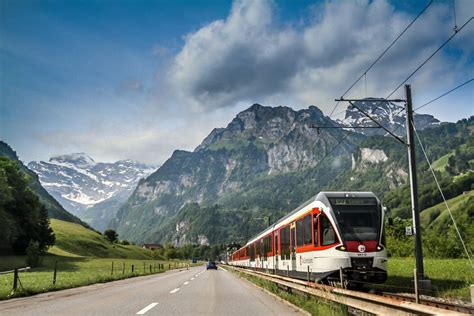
80, 160
388, 114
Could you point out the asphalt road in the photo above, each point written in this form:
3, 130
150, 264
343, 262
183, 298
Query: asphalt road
187, 292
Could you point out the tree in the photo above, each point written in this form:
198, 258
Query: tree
24, 218
111, 235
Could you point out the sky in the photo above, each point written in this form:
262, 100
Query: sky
139, 79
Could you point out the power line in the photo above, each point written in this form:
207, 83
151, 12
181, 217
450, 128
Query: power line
382, 54
436, 99
434, 53
444, 94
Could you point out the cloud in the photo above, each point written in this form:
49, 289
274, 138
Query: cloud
249, 56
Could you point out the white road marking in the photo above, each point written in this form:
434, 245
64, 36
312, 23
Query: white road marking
146, 309
186, 283
174, 291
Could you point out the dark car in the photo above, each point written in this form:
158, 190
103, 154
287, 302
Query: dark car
211, 265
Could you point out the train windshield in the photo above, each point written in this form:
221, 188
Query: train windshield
358, 218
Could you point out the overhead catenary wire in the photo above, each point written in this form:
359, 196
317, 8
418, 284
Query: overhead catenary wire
381, 55
442, 195
429, 57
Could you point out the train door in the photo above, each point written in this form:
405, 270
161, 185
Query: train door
275, 252
293, 246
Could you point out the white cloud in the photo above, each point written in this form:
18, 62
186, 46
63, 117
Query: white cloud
248, 56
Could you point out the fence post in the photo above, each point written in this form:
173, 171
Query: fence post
123, 267
55, 271
144, 271
150, 269
417, 296
112, 270
15, 279
308, 276
133, 268
169, 266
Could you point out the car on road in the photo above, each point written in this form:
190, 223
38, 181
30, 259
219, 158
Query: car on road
211, 265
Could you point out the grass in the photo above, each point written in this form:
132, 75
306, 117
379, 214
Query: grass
83, 257
310, 304
450, 277
440, 164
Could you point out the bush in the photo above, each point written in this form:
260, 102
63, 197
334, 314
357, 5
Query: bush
33, 253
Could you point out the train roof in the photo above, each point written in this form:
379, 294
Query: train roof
322, 197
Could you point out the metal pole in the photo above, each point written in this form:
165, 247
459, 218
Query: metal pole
414, 185
341, 275
112, 270
308, 274
417, 295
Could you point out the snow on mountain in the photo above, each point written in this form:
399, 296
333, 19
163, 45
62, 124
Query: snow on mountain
390, 115
78, 182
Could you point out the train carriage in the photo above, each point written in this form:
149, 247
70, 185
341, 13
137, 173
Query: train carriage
329, 232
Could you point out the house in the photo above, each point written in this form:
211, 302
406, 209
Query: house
152, 246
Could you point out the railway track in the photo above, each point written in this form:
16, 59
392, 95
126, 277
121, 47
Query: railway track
385, 303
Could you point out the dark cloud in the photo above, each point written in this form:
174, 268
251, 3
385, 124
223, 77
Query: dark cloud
248, 56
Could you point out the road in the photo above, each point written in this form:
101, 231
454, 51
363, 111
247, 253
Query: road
187, 292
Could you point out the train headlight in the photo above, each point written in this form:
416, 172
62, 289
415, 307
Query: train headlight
379, 248
341, 248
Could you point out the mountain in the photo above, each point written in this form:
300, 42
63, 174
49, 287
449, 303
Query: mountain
91, 190
262, 148
264, 163
388, 114
55, 210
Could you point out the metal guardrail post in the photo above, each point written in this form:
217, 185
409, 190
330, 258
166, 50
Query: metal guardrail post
341, 275
55, 273
417, 295
15, 280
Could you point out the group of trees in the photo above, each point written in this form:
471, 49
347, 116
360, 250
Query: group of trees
24, 221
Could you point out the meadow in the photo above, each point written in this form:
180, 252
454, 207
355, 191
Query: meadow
82, 257
450, 277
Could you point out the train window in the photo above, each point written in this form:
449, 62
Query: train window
315, 225
285, 242
252, 252
328, 236
307, 230
299, 232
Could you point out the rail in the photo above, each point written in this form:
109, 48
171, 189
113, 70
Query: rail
371, 303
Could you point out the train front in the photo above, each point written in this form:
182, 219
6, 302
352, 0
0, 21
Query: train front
359, 217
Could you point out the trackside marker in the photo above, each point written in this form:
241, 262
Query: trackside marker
146, 309
174, 291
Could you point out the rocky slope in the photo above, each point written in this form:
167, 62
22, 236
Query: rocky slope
91, 190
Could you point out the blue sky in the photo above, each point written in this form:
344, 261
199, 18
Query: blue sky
138, 79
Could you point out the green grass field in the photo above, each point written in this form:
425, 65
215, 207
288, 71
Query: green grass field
441, 163
439, 214
83, 257
450, 277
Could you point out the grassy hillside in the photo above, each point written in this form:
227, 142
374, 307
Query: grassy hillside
438, 215
441, 163
76, 240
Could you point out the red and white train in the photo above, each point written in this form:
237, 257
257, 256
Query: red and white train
329, 232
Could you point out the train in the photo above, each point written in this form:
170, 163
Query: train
333, 234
